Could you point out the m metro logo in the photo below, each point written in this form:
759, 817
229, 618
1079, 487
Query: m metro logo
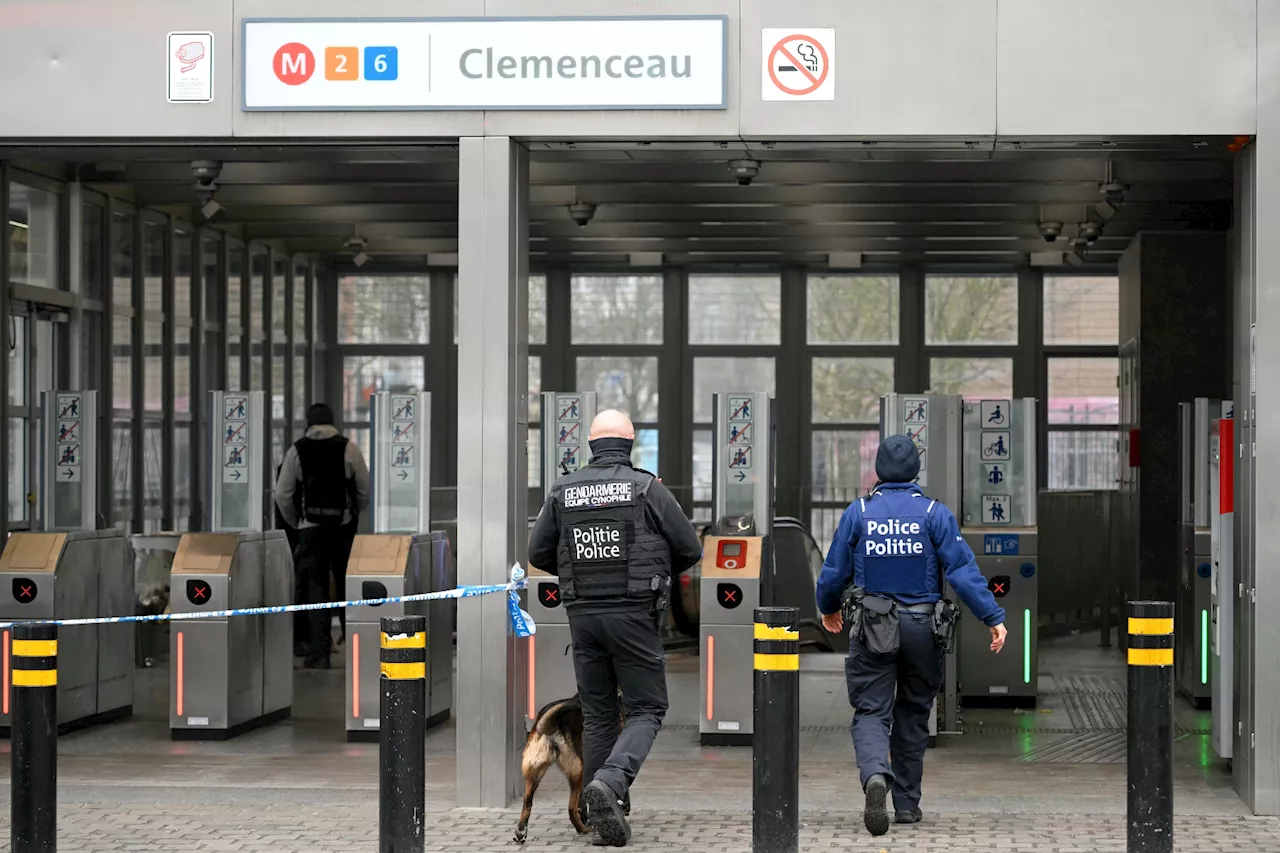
294, 64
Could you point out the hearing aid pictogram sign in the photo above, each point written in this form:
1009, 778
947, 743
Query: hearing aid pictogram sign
798, 65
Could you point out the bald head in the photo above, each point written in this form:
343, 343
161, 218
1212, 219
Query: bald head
611, 423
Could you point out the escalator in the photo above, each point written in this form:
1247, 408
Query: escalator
798, 561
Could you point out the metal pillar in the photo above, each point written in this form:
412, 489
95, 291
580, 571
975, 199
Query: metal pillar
493, 416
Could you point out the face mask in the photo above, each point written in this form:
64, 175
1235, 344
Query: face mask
611, 445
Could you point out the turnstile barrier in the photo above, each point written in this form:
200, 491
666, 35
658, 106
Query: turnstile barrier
732, 568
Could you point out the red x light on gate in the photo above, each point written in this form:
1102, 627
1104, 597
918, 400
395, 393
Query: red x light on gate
729, 595
198, 592
999, 585
24, 590
549, 594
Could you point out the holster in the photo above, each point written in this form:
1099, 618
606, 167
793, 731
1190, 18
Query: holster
661, 599
945, 615
873, 620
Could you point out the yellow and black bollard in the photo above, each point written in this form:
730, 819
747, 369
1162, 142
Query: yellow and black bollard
1150, 801
34, 735
402, 725
775, 760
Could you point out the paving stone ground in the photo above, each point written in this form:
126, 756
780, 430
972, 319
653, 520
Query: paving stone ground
106, 829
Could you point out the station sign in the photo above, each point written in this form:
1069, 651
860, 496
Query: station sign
401, 64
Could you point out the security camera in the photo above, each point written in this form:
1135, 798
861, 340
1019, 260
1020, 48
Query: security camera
205, 171
744, 170
1050, 231
1090, 231
581, 212
1113, 191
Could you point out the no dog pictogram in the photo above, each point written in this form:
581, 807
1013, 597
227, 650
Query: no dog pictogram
797, 65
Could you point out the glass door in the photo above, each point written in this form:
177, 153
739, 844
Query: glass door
38, 360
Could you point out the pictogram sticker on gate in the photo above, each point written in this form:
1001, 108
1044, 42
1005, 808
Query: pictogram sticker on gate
798, 65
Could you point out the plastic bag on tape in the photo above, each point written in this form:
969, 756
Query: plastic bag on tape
521, 622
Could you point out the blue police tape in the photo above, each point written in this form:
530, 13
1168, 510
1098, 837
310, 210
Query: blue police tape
521, 622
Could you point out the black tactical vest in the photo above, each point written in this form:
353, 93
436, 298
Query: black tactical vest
324, 478
609, 549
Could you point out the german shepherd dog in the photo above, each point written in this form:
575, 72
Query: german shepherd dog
555, 738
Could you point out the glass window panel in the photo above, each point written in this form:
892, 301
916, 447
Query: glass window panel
365, 375
277, 446
535, 457
644, 453
235, 377
279, 409
153, 368
626, 383
711, 375
1084, 391
235, 290
537, 309
214, 290
255, 367
122, 258
971, 309
153, 260
1083, 460
279, 265
535, 389
182, 273
300, 274
182, 372
735, 309
46, 358
152, 497
182, 477
384, 309
18, 458
843, 464
122, 475
300, 395
971, 377
93, 255
616, 309
18, 361
849, 389
702, 451
257, 283
853, 309
121, 361
33, 236
360, 436
1081, 309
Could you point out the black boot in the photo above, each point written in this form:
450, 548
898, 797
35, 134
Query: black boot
605, 815
907, 816
875, 815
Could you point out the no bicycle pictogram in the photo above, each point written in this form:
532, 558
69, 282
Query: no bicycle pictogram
798, 65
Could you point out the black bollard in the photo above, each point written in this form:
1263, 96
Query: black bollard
1150, 649
402, 730
775, 750
33, 815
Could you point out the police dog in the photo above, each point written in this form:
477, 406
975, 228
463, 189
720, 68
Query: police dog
555, 738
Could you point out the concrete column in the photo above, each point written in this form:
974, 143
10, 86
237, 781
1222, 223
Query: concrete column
493, 428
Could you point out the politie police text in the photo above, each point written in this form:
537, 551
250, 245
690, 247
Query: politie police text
902, 547
595, 542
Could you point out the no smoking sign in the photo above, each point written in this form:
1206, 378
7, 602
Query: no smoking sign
799, 65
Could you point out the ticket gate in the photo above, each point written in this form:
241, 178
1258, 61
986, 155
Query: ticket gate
74, 575
1223, 590
1194, 605
565, 419
230, 674
730, 593
67, 569
388, 566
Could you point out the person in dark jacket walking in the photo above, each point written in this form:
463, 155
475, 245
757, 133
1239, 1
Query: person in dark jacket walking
888, 547
615, 536
334, 481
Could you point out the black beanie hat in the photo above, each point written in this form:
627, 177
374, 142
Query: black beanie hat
319, 414
897, 460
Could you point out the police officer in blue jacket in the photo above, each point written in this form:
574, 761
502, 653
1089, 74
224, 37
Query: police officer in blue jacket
888, 547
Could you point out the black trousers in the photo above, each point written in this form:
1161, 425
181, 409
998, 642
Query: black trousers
615, 652
322, 553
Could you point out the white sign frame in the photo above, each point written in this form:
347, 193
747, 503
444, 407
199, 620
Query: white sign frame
175, 65
823, 38
441, 83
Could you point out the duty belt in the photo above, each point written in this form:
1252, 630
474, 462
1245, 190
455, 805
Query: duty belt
926, 607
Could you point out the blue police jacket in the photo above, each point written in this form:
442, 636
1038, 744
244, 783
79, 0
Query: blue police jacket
890, 542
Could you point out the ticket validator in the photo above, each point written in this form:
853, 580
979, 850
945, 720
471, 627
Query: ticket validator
566, 420
1223, 590
66, 568
402, 557
932, 422
231, 674
737, 569
998, 521
1198, 428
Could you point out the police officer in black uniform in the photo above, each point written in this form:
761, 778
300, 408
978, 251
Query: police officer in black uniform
615, 536
884, 563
